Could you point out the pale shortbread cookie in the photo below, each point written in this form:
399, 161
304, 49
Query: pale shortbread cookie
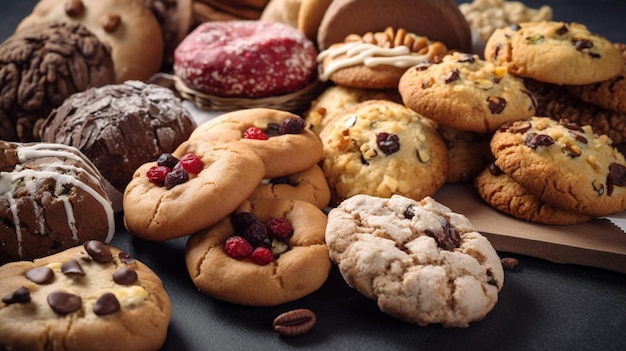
381, 148
420, 261
89, 297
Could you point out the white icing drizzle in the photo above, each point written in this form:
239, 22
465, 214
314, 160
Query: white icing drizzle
367, 54
34, 151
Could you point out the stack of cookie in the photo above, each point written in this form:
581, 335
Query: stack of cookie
259, 161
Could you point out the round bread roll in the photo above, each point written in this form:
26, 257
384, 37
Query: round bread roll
43, 65
51, 198
128, 26
120, 126
425, 17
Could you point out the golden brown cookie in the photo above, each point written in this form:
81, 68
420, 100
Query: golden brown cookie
505, 195
563, 164
468, 153
377, 60
381, 148
465, 92
89, 297
229, 174
295, 273
282, 153
334, 99
129, 27
538, 50
309, 185
310, 16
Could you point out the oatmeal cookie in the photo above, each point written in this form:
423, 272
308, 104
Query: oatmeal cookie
466, 93
420, 261
538, 50
563, 164
381, 148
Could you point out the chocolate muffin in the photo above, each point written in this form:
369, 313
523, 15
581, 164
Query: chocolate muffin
120, 126
40, 67
51, 198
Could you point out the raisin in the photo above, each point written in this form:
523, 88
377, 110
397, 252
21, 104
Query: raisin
534, 140
467, 58
256, 235
272, 129
176, 176
167, 160
570, 125
496, 104
280, 180
409, 212
562, 30
388, 143
582, 44
242, 220
494, 170
292, 126
447, 238
454, 75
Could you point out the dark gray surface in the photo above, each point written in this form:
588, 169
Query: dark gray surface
543, 305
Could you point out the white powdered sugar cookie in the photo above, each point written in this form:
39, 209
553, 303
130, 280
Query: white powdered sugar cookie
422, 262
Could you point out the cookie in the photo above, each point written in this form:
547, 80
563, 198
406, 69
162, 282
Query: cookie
381, 148
468, 153
129, 27
295, 273
420, 261
282, 153
465, 92
563, 164
93, 297
505, 195
309, 185
228, 174
376, 60
538, 50
609, 94
310, 16
558, 102
334, 99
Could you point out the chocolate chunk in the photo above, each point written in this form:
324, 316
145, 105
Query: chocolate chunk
40, 275
125, 276
496, 104
72, 268
107, 303
534, 140
63, 302
454, 75
126, 258
98, 251
21, 295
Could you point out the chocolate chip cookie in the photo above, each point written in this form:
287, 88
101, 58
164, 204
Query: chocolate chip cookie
421, 262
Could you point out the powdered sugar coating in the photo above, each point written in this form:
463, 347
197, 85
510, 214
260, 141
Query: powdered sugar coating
245, 59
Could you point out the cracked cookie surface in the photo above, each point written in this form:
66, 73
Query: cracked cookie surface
420, 261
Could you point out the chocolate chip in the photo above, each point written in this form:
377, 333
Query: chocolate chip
107, 303
72, 268
562, 30
40, 275
98, 250
582, 44
21, 295
452, 76
617, 176
125, 276
515, 127
126, 258
447, 238
409, 212
295, 322
63, 302
494, 170
496, 104
534, 140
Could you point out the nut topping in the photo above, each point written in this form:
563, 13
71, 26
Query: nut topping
110, 22
295, 322
74, 8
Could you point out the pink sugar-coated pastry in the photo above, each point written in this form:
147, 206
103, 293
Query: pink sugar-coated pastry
245, 59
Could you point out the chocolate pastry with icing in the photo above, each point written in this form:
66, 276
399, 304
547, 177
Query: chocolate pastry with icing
89, 297
41, 66
51, 198
120, 126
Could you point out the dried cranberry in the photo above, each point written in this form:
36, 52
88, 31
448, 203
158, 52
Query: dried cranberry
388, 143
242, 220
191, 163
256, 234
262, 255
167, 160
157, 174
238, 247
292, 126
279, 228
176, 176
255, 133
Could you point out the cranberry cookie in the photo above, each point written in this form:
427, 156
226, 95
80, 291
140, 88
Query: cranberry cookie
282, 268
89, 297
563, 164
195, 187
309, 185
464, 92
280, 138
381, 148
421, 262
538, 50
505, 195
